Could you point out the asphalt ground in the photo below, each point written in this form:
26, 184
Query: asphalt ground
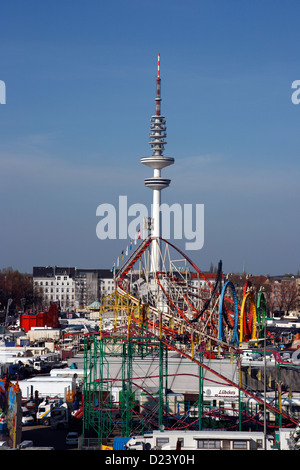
44, 436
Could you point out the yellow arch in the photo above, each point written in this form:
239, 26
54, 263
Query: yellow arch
252, 303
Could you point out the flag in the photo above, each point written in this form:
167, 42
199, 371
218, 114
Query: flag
130, 244
258, 375
139, 234
127, 251
122, 255
118, 262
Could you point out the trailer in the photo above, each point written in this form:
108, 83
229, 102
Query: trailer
200, 440
47, 386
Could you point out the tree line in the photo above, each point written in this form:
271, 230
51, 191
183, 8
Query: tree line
16, 290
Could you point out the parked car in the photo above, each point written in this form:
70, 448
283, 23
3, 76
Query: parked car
4, 445
72, 438
27, 418
25, 444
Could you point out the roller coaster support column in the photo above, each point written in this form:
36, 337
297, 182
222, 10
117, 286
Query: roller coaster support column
279, 388
126, 401
161, 376
240, 386
200, 392
192, 345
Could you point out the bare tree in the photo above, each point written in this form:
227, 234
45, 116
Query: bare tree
283, 295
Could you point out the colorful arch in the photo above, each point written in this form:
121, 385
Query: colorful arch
261, 309
248, 316
248, 296
222, 313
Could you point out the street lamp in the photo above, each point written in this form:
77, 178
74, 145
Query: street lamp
9, 302
264, 339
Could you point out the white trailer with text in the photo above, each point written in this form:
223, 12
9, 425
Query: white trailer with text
200, 440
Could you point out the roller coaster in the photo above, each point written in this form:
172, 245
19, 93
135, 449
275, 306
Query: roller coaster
179, 297
174, 309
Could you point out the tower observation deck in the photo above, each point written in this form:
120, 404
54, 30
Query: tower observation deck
157, 161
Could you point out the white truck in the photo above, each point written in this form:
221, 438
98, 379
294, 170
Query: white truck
43, 413
60, 417
50, 413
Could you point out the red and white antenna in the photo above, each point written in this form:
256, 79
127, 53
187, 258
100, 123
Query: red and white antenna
158, 98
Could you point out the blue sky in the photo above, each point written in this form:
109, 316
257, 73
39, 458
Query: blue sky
80, 88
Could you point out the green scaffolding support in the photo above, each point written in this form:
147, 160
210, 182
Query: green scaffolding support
127, 395
97, 396
101, 416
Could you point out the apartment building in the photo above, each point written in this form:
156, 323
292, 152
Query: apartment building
72, 287
56, 284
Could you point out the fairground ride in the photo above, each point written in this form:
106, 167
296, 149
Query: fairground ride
175, 309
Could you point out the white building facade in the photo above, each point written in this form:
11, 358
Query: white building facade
56, 284
72, 287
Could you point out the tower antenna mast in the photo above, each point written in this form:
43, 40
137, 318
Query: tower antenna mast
158, 98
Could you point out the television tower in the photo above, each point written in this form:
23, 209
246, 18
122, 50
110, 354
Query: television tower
157, 161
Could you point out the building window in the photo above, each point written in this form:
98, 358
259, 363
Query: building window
239, 445
160, 441
209, 444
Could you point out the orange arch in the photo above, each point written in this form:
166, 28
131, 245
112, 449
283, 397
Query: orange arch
250, 296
